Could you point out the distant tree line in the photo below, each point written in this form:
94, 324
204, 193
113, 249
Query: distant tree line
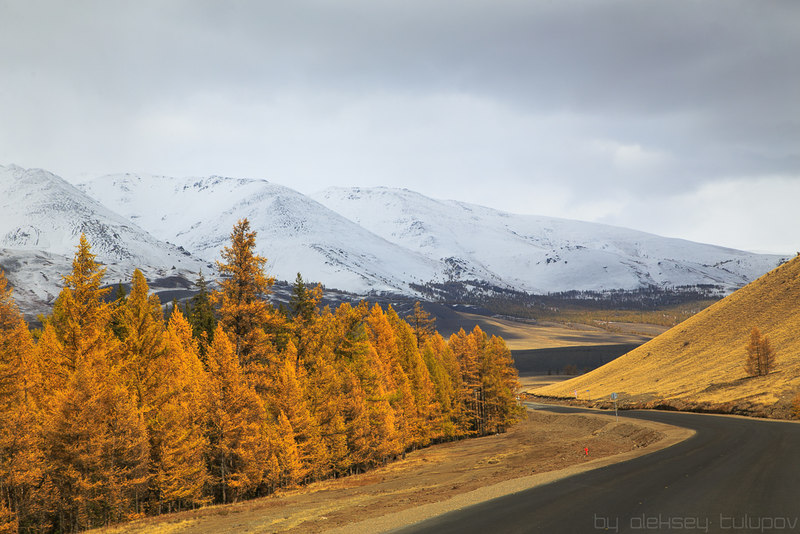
665, 306
110, 413
481, 293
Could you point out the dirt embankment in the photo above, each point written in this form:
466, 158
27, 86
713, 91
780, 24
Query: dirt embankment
542, 448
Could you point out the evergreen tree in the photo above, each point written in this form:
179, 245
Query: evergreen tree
201, 313
304, 311
304, 301
119, 301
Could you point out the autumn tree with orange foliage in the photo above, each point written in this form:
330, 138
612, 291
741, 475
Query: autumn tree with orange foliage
94, 437
110, 414
21, 460
178, 437
237, 435
243, 312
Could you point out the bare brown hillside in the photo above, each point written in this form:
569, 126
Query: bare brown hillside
698, 365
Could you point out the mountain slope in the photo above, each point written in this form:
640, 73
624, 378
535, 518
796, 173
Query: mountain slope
540, 254
41, 220
295, 233
383, 239
699, 363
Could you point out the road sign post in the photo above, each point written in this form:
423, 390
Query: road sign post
616, 414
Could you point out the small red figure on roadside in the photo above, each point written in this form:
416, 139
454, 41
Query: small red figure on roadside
586, 451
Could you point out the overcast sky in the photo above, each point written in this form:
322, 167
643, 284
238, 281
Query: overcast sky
676, 117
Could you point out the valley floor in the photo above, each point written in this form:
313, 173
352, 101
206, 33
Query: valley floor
540, 449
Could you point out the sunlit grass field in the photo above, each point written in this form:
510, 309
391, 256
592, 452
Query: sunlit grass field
699, 364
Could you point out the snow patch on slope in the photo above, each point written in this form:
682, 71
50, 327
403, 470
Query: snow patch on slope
540, 254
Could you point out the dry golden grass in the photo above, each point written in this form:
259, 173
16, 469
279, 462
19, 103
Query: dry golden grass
521, 335
699, 364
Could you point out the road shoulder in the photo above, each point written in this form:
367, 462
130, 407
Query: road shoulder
671, 435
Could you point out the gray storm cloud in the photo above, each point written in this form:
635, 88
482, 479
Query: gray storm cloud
577, 108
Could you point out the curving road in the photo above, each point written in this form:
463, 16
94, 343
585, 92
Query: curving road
734, 475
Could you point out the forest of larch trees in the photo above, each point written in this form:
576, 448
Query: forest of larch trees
114, 409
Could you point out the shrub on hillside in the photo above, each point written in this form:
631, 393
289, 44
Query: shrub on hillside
760, 355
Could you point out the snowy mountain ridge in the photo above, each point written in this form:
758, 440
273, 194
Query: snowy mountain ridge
362, 240
41, 220
539, 254
384, 239
295, 233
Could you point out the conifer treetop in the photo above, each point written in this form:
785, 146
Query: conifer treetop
242, 270
87, 274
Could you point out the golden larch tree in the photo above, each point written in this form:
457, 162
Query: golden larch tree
465, 350
21, 461
443, 371
94, 439
236, 418
289, 398
499, 386
96, 449
80, 320
141, 329
428, 411
243, 312
178, 440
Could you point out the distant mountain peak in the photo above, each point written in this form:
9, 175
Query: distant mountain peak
42, 213
363, 239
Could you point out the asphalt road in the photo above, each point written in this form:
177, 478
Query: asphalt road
733, 475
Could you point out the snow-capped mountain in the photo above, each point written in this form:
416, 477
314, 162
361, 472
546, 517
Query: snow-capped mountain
539, 254
295, 233
41, 220
385, 239
354, 239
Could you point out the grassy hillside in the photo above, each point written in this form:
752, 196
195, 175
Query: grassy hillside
698, 364
540, 335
